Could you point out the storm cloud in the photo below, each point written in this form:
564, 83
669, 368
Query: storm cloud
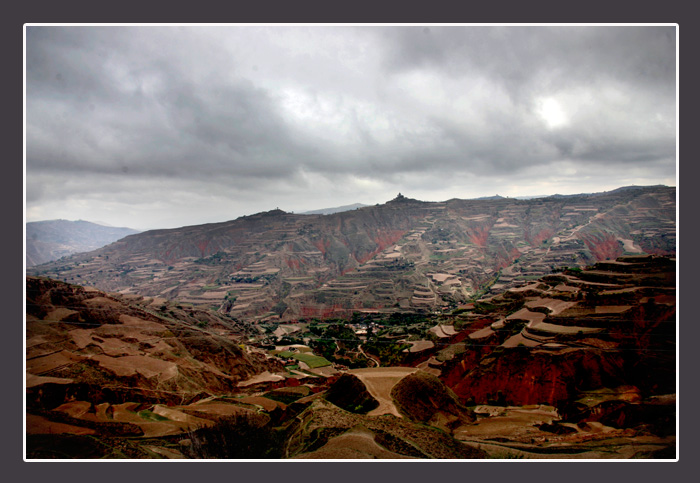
153, 127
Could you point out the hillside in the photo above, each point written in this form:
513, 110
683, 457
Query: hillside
53, 239
577, 364
405, 255
111, 348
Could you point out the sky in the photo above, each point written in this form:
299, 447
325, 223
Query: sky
165, 126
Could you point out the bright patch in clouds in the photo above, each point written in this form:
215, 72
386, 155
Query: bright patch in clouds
552, 113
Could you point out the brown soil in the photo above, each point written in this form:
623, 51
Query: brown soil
33, 380
519, 432
41, 425
265, 403
555, 306
131, 365
261, 378
379, 382
356, 443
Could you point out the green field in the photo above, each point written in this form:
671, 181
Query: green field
151, 416
311, 360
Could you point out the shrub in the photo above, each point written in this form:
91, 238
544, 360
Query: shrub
241, 436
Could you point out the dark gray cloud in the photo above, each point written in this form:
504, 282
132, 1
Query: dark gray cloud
187, 123
111, 109
532, 57
526, 63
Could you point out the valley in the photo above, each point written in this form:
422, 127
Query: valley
468, 329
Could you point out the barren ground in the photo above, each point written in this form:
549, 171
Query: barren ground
379, 382
354, 444
511, 433
264, 377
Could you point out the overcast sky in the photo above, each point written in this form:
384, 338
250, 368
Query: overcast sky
157, 127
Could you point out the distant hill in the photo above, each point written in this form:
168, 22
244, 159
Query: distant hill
634, 188
618, 190
531, 197
495, 197
337, 209
53, 239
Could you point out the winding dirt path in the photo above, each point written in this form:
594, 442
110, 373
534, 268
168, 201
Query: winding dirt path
371, 358
379, 382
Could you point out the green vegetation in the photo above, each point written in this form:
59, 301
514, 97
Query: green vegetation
291, 340
265, 279
311, 360
388, 351
333, 339
214, 259
485, 287
349, 393
449, 352
151, 416
283, 397
484, 307
398, 318
279, 308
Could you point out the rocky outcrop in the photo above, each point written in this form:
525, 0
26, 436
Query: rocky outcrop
618, 329
603, 246
423, 398
318, 432
519, 376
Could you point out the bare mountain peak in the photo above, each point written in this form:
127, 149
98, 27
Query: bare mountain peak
403, 199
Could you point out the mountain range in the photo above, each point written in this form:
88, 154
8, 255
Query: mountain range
465, 329
52, 239
402, 256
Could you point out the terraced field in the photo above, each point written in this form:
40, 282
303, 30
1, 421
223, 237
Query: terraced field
529, 312
405, 254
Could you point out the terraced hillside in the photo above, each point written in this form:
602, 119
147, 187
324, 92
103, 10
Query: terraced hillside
85, 347
405, 255
577, 364
115, 376
609, 326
